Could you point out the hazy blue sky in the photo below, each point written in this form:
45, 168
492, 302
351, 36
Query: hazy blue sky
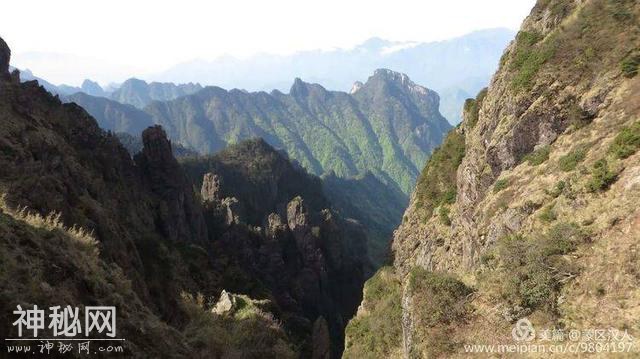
111, 39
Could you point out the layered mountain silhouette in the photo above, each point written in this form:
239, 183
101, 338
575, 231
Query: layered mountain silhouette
388, 126
456, 68
382, 131
459, 65
140, 93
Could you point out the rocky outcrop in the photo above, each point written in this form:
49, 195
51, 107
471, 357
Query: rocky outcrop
271, 227
179, 213
5, 55
210, 190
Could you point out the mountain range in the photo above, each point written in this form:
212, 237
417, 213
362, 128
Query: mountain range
456, 68
381, 132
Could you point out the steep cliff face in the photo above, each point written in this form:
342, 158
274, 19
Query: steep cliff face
529, 197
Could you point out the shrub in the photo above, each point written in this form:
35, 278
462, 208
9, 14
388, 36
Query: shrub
472, 108
538, 156
500, 185
626, 142
548, 214
377, 332
439, 301
440, 296
601, 176
449, 197
630, 65
566, 235
620, 10
533, 270
443, 213
569, 161
529, 56
246, 331
557, 189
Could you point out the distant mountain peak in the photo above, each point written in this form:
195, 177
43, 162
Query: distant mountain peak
92, 88
301, 88
399, 79
375, 43
391, 75
356, 86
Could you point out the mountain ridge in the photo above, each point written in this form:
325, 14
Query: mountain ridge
387, 128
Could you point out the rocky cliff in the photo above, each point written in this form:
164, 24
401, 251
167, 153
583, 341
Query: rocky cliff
271, 222
530, 200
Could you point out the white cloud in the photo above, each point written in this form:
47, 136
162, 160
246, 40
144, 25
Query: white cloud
148, 36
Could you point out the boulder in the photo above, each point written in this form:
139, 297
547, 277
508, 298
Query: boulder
210, 190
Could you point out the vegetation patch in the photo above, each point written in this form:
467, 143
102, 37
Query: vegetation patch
630, 65
443, 213
377, 333
602, 177
529, 55
439, 302
621, 10
472, 108
532, 270
437, 182
570, 161
548, 214
538, 156
246, 331
500, 185
626, 142
557, 189
82, 238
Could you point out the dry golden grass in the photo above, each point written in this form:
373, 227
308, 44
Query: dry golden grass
51, 222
